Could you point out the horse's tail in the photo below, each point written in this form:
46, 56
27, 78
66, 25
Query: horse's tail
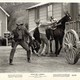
36, 35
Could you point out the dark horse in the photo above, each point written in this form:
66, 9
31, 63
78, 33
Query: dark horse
58, 33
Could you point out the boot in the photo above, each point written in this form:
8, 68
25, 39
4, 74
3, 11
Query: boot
28, 59
10, 62
28, 56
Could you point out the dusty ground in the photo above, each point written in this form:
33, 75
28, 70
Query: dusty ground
38, 64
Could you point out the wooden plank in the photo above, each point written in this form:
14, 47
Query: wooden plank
57, 11
43, 14
0, 29
79, 7
32, 24
75, 25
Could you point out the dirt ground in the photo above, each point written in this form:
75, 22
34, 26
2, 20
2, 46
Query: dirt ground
38, 64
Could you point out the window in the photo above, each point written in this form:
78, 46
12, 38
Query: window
49, 11
36, 13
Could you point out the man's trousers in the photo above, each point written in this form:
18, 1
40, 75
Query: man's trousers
24, 45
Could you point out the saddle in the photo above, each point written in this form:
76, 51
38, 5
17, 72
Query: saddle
54, 27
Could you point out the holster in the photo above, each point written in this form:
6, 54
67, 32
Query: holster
13, 42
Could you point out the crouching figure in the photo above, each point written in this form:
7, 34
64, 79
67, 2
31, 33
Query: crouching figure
19, 34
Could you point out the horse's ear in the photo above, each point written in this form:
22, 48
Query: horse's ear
51, 17
66, 12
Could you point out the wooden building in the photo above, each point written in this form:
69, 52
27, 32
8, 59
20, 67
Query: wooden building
3, 23
43, 11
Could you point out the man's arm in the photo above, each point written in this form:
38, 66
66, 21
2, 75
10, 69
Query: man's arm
28, 34
11, 35
30, 37
12, 38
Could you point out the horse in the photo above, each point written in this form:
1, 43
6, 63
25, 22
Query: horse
57, 34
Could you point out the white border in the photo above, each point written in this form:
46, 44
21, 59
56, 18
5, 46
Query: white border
73, 1
48, 76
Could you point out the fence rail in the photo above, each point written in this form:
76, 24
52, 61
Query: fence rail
75, 25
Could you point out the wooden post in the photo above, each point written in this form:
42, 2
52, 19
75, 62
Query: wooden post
74, 10
6, 41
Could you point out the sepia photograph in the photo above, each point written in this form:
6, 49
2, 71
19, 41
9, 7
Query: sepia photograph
40, 37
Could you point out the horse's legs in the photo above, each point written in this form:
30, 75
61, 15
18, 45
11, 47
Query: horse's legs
56, 47
60, 41
51, 46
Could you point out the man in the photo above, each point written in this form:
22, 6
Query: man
40, 35
18, 39
35, 46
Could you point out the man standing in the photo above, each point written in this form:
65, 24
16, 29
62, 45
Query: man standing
18, 39
40, 35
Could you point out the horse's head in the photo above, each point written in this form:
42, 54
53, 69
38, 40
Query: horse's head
67, 16
63, 20
51, 18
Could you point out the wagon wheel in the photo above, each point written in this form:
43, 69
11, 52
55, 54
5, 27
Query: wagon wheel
70, 40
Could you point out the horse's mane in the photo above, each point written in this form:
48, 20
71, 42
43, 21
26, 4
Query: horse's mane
61, 19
